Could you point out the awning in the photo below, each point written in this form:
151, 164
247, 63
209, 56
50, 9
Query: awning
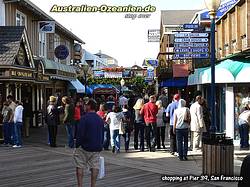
92, 87
50, 64
225, 72
77, 85
175, 82
244, 75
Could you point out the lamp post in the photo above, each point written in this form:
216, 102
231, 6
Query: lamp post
85, 68
212, 6
122, 82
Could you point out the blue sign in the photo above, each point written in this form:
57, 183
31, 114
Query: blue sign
153, 63
224, 7
191, 40
191, 26
191, 50
190, 56
191, 45
183, 35
98, 74
61, 52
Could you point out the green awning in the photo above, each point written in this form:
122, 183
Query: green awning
50, 64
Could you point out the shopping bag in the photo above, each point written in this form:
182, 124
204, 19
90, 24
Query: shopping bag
101, 168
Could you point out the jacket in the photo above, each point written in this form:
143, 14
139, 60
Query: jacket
18, 115
52, 115
68, 114
197, 122
149, 111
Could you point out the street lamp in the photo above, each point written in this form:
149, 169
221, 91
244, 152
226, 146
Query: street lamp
212, 6
85, 68
122, 82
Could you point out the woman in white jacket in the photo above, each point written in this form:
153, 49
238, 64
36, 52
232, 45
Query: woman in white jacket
18, 123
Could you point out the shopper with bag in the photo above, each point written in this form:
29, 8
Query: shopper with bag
89, 144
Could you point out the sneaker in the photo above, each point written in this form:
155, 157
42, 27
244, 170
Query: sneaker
16, 146
185, 158
181, 159
113, 149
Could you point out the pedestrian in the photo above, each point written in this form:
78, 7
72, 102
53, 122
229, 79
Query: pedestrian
77, 117
181, 125
149, 112
13, 106
206, 114
170, 114
123, 100
110, 103
6, 113
244, 122
126, 123
103, 114
161, 126
163, 98
244, 172
52, 120
68, 120
18, 124
197, 123
89, 144
139, 125
114, 119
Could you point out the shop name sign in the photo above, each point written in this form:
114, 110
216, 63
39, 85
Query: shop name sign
21, 74
190, 26
183, 35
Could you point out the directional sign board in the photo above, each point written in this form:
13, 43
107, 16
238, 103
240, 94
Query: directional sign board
191, 45
190, 55
183, 35
191, 26
191, 50
190, 40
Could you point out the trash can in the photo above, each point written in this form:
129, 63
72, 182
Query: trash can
217, 155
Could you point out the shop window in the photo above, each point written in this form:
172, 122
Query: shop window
57, 42
21, 19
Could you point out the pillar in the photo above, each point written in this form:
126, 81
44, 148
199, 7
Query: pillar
20, 92
37, 98
16, 91
33, 104
41, 97
229, 111
7, 89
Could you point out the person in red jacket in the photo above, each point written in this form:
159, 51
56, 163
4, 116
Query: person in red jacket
149, 112
77, 116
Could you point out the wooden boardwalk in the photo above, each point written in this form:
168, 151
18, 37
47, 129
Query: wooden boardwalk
37, 165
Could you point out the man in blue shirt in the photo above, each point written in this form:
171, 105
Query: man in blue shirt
170, 114
89, 143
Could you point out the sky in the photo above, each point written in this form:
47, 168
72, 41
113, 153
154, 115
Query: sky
122, 38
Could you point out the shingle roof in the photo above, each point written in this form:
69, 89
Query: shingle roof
177, 17
10, 38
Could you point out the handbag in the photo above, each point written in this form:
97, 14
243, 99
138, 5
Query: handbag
101, 173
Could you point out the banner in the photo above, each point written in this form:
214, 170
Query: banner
46, 26
180, 70
113, 74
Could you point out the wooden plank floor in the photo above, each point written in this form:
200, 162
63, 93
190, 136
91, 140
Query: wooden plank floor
37, 165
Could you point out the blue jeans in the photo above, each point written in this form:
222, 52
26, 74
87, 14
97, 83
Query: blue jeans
115, 139
126, 137
106, 137
69, 129
17, 134
244, 135
7, 133
182, 142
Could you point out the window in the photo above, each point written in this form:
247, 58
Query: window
56, 43
21, 19
42, 45
69, 57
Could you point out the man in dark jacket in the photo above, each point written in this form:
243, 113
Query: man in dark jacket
68, 120
52, 120
89, 143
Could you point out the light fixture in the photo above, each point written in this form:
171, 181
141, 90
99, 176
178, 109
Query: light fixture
212, 6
